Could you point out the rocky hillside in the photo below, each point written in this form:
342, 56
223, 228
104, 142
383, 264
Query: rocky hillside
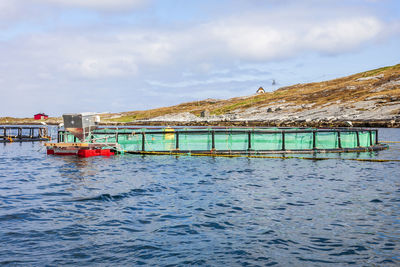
367, 98
370, 98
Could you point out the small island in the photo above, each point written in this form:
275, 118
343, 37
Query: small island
367, 99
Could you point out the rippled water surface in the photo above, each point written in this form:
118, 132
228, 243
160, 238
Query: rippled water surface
165, 210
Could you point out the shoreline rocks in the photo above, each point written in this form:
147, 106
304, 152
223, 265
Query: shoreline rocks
272, 123
286, 122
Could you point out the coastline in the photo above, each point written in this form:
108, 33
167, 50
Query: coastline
367, 99
272, 123
388, 123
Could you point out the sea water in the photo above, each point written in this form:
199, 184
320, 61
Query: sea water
203, 211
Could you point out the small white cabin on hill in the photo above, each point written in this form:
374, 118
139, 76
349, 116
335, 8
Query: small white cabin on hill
260, 90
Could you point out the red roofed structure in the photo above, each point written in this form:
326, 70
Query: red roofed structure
40, 116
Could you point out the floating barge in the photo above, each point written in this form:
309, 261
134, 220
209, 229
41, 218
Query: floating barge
9, 134
212, 141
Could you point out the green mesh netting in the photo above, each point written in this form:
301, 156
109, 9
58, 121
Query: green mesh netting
233, 139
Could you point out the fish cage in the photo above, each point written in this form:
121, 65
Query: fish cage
230, 140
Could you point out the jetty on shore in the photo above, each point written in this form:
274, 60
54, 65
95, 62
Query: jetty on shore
9, 134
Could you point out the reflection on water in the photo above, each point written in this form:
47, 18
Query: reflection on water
161, 210
76, 168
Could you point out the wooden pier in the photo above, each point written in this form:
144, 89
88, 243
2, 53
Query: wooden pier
9, 134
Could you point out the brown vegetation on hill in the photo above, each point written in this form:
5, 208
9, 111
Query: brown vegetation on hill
353, 88
382, 85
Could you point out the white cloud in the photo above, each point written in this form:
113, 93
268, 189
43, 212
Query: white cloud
267, 40
126, 52
109, 57
89, 56
138, 52
215, 80
104, 5
11, 10
342, 35
102, 67
7, 8
40, 11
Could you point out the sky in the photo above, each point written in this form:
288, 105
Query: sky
63, 56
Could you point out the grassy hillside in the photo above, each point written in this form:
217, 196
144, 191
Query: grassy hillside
347, 89
382, 84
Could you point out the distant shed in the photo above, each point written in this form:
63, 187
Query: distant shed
40, 116
260, 90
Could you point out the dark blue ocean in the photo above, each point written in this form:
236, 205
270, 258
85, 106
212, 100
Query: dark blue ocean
132, 210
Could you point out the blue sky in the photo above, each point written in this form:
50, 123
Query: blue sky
60, 56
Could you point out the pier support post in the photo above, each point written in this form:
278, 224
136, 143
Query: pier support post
358, 138
177, 140
143, 141
314, 141
370, 138
213, 140
249, 140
